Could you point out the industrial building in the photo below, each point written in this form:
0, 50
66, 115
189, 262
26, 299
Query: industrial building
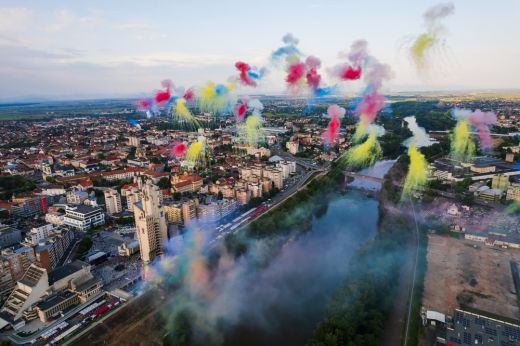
468, 328
482, 168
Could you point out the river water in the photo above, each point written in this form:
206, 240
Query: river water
289, 296
421, 138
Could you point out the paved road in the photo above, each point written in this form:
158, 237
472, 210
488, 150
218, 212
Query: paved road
414, 275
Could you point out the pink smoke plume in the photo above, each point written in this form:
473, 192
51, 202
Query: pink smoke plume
482, 121
244, 77
369, 106
376, 73
240, 110
358, 52
335, 113
189, 95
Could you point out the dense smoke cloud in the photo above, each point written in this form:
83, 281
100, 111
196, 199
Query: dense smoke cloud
267, 295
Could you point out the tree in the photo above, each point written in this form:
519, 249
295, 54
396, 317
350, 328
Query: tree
164, 183
462, 186
84, 245
155, 160
50, 179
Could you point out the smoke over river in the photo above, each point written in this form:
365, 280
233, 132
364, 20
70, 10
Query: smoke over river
280, 301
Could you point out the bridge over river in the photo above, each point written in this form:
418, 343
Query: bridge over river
361, 177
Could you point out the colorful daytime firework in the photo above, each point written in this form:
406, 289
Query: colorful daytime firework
417, 175
352, 69
182, 113
196, 151
462, 146
425, 43
364, 154
251, 130
249, 76
177, 150
215, 98
288, 50
482, 121
335, 113
240, 110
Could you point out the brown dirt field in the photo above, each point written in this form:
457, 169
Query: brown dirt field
452, 266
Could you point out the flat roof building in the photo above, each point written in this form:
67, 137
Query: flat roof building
469, 328
83, 217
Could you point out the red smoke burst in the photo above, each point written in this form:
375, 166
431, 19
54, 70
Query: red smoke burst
178, 150
240, 111
189, 95
332, 130
313, 78
295, 72
162, 96
350, 73
143, 105
244, 78
336, 113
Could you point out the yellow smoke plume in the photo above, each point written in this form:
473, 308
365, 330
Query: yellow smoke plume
195, 151
183, 113
251, 131
417, 171
462, 146
364, 154
420, 47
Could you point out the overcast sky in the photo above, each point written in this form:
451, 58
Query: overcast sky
69, 49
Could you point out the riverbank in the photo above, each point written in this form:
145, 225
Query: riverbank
359, 310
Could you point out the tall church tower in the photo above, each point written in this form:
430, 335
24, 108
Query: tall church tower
150, 223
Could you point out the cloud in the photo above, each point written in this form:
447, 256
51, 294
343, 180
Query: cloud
32, 71
65, 19
14, 19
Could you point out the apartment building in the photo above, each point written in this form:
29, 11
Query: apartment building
150, 222
113, 201
50, 251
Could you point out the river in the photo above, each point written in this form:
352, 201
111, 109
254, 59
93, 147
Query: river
421, 138
288, 297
